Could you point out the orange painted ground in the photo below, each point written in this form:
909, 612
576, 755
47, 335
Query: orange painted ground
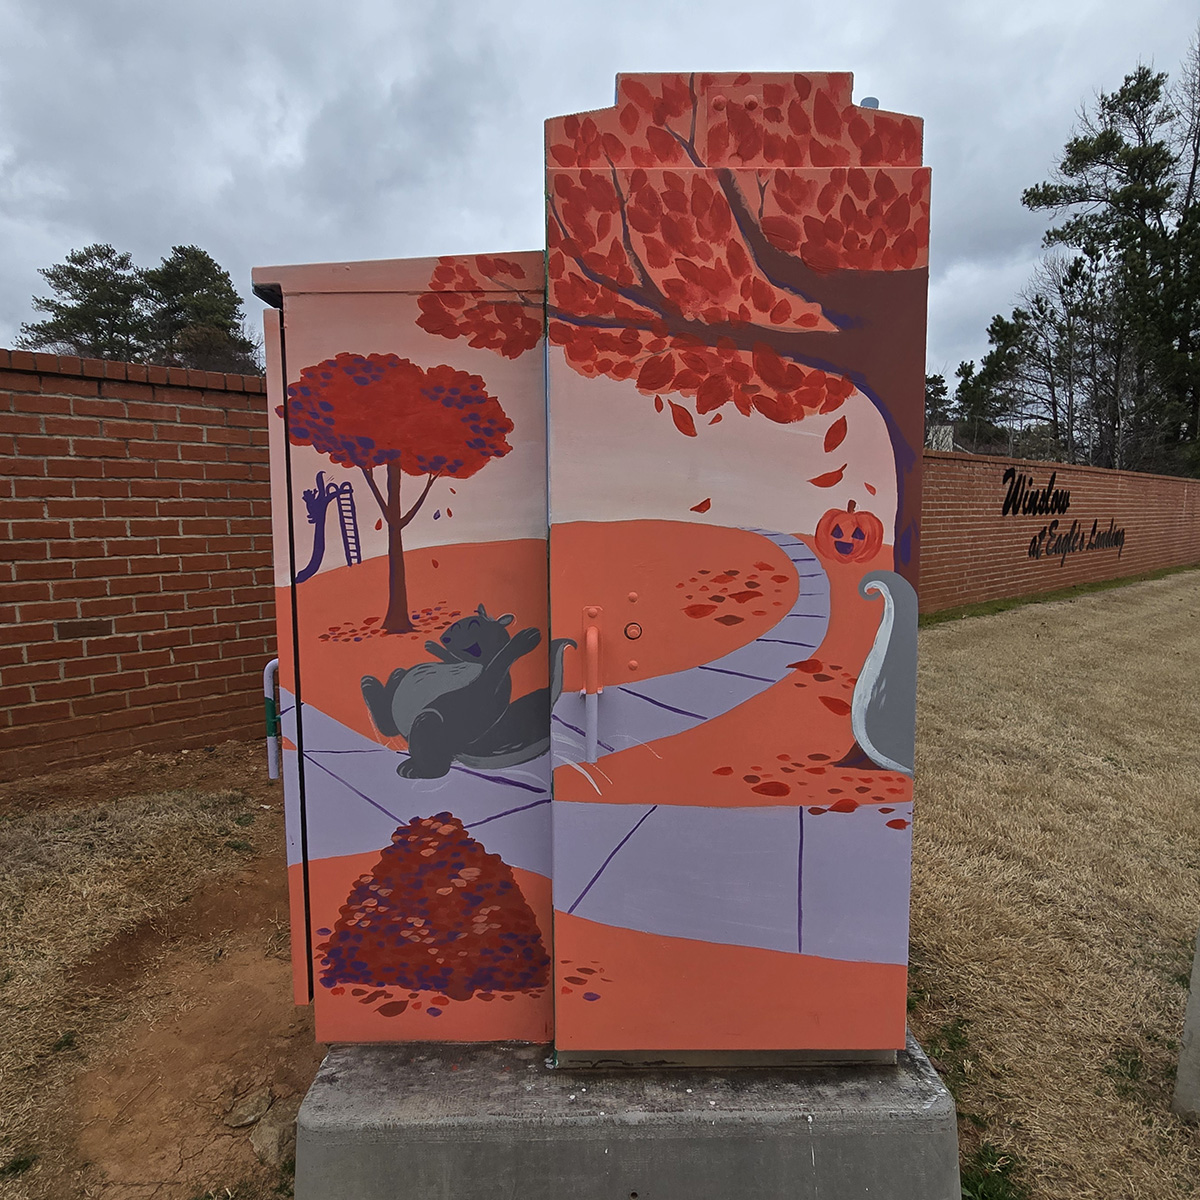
623, 990
699, 591
340, 612
344, 1017
733, 586
778, 747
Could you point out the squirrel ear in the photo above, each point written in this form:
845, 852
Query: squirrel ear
507, 619
481, 611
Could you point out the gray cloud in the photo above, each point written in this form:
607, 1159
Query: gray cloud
296, 131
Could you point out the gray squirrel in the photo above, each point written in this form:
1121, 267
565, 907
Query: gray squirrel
460, 708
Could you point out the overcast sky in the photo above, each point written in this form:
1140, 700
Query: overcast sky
285, 131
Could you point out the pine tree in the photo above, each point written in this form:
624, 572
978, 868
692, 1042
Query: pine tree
99, 310
183, 313
197, 317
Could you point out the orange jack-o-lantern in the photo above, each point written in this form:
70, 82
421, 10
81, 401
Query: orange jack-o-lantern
849, 535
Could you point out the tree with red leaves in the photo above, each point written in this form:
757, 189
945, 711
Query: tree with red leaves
755, 242
382, 410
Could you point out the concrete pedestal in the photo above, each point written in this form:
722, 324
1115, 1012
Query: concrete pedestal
1186, 1101
451, 1122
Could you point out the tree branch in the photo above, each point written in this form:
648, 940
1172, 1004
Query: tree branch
840, 293
412, 512
639, 267
369, 476
633, 295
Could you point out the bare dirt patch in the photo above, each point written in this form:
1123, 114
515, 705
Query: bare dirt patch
145, 986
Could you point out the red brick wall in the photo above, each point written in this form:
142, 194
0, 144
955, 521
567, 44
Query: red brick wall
136, 595
971, 552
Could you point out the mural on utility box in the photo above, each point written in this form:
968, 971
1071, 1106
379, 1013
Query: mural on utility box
728, 254
734, 306
424, 677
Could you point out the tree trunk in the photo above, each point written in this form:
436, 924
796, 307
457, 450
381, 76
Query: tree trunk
398, 619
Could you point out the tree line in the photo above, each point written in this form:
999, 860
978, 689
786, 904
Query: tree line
1097, 363
185, 312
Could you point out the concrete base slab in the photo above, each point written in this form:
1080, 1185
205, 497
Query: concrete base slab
454, 1122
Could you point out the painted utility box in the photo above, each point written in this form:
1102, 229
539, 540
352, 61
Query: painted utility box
415, 666
726, 342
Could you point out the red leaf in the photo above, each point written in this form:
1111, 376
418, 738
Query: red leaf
771, 788
703, 506
835, 705
869, 488
715, 419
379, 523
656, 373
835, 434
782, 232
699, 610
830, 478
897, 824
683, 419
658, 404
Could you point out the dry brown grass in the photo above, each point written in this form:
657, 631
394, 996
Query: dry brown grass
74, 880
144, 978
1055, 904
1056, 889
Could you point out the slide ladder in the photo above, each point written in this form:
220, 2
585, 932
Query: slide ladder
348, 520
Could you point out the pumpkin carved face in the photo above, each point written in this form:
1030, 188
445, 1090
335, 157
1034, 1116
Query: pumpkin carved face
849, 534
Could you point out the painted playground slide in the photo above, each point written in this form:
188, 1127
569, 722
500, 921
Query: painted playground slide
671, 809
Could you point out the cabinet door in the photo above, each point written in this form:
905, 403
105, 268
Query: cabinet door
736, 300
414, 586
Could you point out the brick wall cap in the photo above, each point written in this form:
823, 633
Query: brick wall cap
987, 460
69, 365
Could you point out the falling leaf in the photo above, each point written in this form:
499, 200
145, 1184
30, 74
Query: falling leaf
453, 492
435, 562
715, 419
703, 506
683, 419
437, 515
869, 488
835, 435
379, 523
700, 610
830, 478
449, 513
658, 405
835, 705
